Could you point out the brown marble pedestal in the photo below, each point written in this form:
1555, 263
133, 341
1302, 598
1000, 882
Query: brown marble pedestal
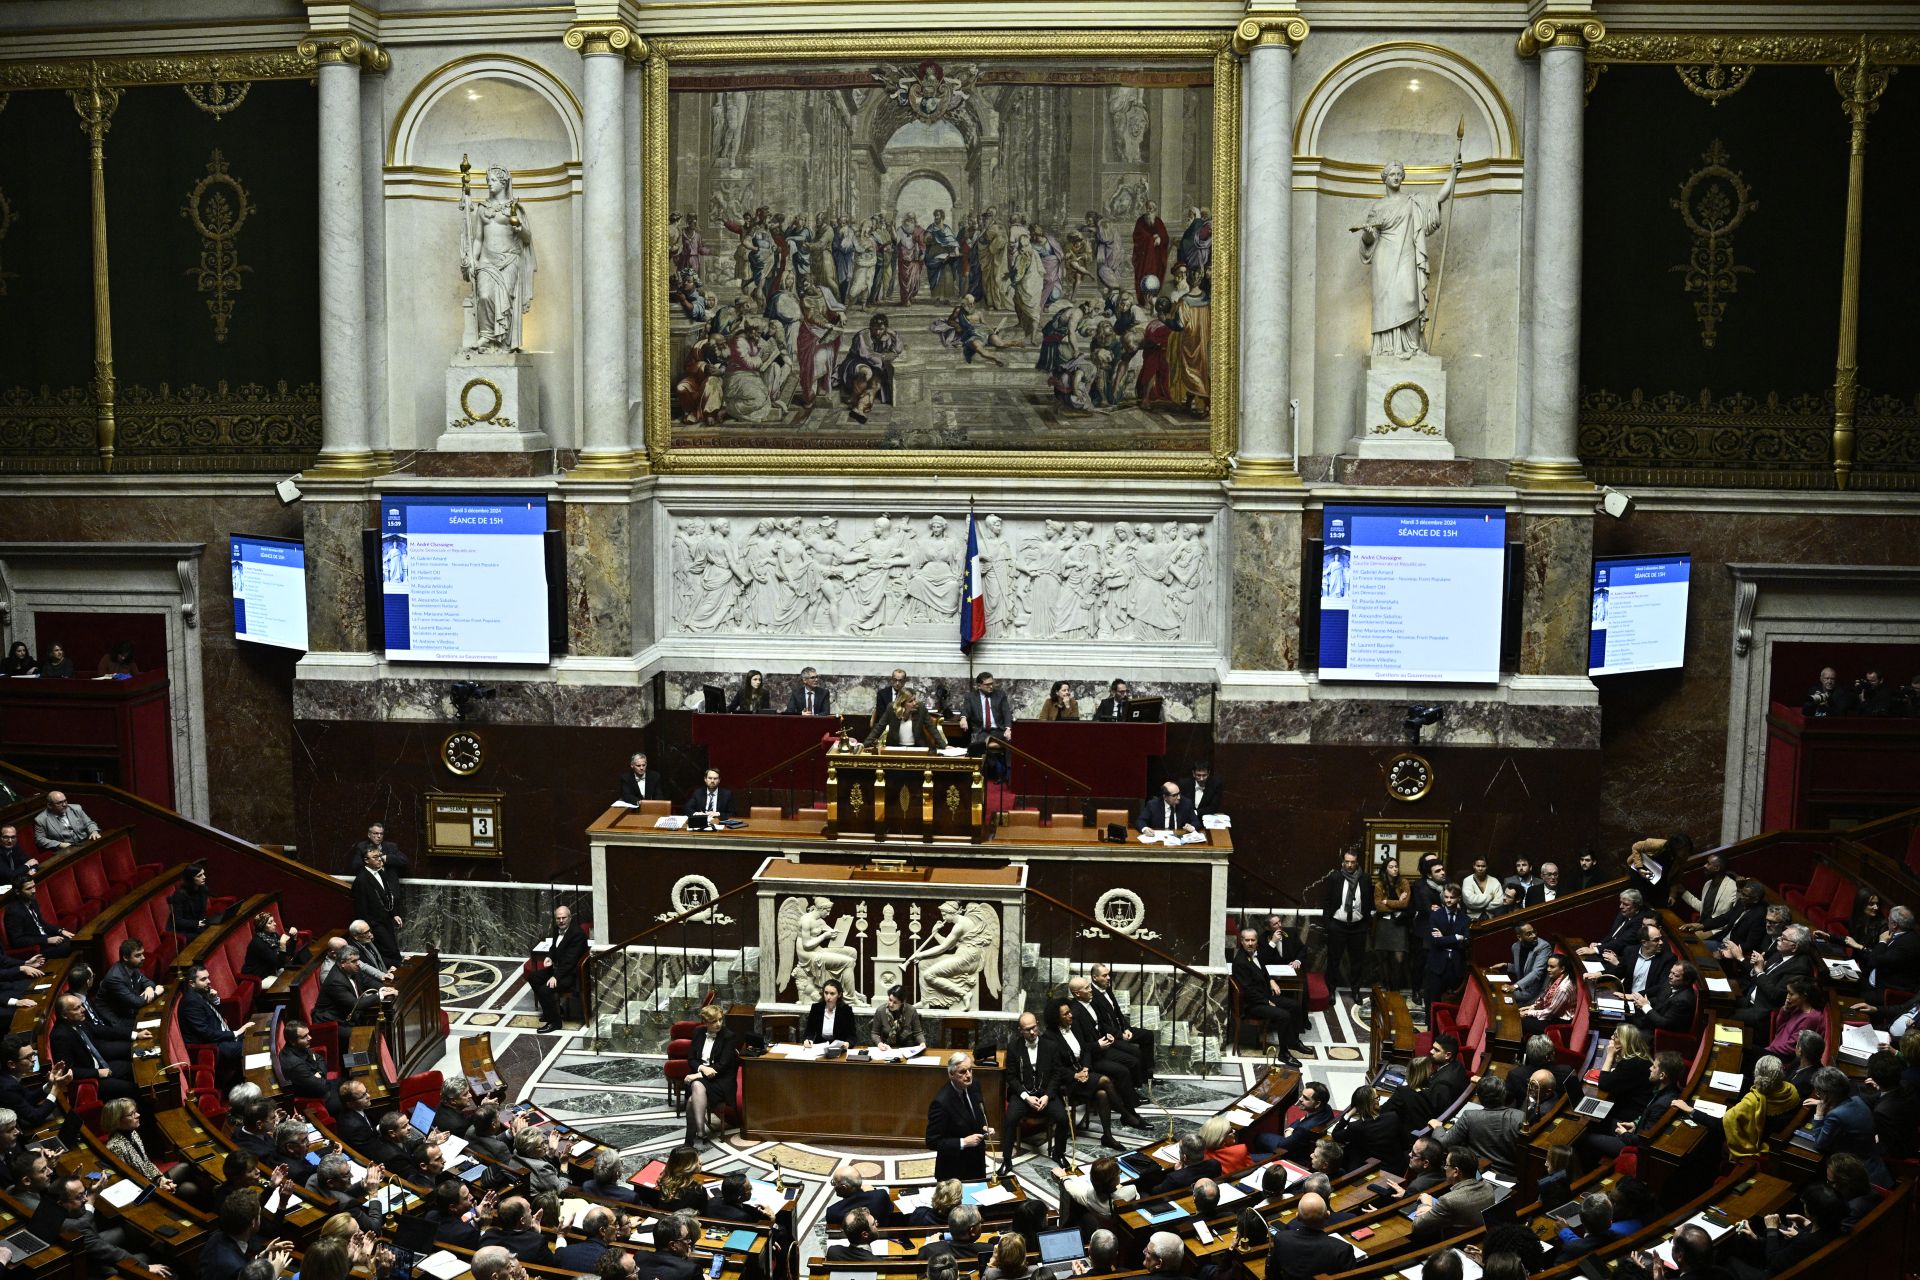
1403, 471
484, 465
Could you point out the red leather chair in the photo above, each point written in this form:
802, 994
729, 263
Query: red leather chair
122, 872
679, 1041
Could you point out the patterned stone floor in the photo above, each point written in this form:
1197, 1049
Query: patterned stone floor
620, 1099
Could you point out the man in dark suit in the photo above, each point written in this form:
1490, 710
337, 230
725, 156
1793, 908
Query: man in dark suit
398, 863
859, 1231
516, 1228
1891, 960
376, 899
350, 993
34, 1103
1766, 983
671, 1258
1446, 931
1744, 924
559, 969
1596, 1223
201, 1022
304, 1070
452, 1202
73, 1045
1642, 971
1205, 792
1346, 910
888, 692
1449, 1078
1303, 1249
377, 964
16, 860
1114, 705
1168, 811
637, 784
1548, 888
1461, 1206
957, 1125
599, 1230
851, 1192
810, 699
126, 989
28, 926
1672, 1007
228, 1250
1316, 1116
906, 723
1194, 1165
1624, 934
711, 799
987, 714
1113, 1019
1036, 1077
1113, 1056
1261, 999
354, 1126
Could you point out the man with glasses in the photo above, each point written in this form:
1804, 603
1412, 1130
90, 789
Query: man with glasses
62, 824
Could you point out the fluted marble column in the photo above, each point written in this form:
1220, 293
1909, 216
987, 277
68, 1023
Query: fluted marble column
345, 437
1555, 176
604, 447
1266, 251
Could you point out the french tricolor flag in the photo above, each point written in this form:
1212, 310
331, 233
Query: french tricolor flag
973, 600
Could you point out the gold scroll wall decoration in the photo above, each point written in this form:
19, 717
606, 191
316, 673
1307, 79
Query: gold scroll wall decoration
1713, 202
218, 206
217, 97
1714, 79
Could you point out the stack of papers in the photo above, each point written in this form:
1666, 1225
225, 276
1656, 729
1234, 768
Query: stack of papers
925, 1060
1727, 1033
1167, 1155
1498, 977
1259, 1106
1719, 986
1859, 1041
923, 1198
989, 1196
1593, 966
1727, 1081
1711, 1110
1238, 1118
767, 1198
670, 821
255, 1061
1216, 821
1230, 1193
1613, 1006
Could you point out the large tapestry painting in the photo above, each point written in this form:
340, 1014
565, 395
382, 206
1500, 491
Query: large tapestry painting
963, 252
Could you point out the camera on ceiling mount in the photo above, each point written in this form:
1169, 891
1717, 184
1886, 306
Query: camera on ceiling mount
1419, 717
465, 692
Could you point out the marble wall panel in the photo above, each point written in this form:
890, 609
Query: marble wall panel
1266, 590
600, 596
336, 576
247, 706
484, 919
516, 702
1665, 732
1557, 567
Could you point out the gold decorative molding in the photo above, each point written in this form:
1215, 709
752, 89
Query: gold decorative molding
218, 206
194, 68
1560, 31
1715, 80
1536, 473
1758, 48
1285, 29
218, 98
221, 428
601, 40
333, 50
664, 53
1713, 202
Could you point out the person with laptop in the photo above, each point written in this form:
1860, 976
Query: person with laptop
1061, 1252
1114, 705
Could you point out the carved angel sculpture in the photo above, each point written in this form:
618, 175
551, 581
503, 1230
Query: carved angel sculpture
811, 949
964, 943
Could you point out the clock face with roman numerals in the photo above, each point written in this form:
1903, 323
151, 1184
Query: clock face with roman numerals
462, 753
1409, 776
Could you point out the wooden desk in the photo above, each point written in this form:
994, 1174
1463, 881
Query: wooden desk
840, 1100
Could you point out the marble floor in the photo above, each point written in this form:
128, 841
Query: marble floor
620, 1099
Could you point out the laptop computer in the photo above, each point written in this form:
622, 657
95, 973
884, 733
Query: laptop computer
23, 1244
1144, 710
422, 1118
1059, 1250
1597, 1108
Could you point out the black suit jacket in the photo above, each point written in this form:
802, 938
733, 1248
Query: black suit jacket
949, 1119
265, 959
1046, 1075
23, 930
1111, 708
1537, 894
1769, 989
306, 1074
357, 1132
1300, 1254
67, 1047
1448, 1083
200, 1021
976, 720
1155, 813
340, 995
1213, 800
845, 1024
1659, 967
726, 1058
697, 802
822, 701
1896, 962
373, 901
32, 1103
1332, 892
1113, 1019
565, 955
1671, 1010
1187, 1175
121, 991
633, 790
1251, 977
1623, 936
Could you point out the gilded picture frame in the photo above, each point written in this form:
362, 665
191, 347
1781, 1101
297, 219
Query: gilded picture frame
1217, 432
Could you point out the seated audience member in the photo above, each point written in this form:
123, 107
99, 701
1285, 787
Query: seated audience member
67, 1209
16, 860
637, 783
1802, 1009
1595, 1229
736, 1199
1523, 877
1194, 1165
1828, 697
1766, 982
303, 1069
1216, 1136
1369, 1131
1461, 1206
73, 1044
810, 699
1843, 1121
374, 963
851, 1192
1547, 889
859, 1229
1848, 1178
599, 1232
558, 972
1759, 1111
516, 1228
29, 926
896, 1024
962, 1239
1673, 1008
17, 978
1538, 1054
1555, 1004
906, 723
188, 909
751, 698
680, 1186
1303, 1249
33, 1102
1098, 1201
118, 661
19, 661
1168, 812
1626, 1070
1295, 1141
1628, 928
1114, 705
1103, 1251
947, 1193
202, 1023
62, 824
239, 1239
1744, 924
540, 1151
491, 1133
1719, 890
1667, 1079
56, 665
1896, 1111
1872, 695
671, 1259
713, 1069
126, 989
1493, 1131
269, 951
1449, 1073
458, 1108
349, 994
1060, 703
711, 799
1788, 1238
1261, 999
1892, 958
1642, 971
120, 1121
355, 1129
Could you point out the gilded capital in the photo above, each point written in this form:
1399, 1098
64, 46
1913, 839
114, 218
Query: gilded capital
602, 40
327, 50
1561, 31
1257, 29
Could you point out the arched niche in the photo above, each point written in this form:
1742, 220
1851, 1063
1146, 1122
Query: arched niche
526, 119
1403, 101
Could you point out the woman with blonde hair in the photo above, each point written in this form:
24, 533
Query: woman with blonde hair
1759, 1111
1009, 1258
1626, 1072
947, 1193
680, 1186
120, 1121
713, 1071
1233, 1156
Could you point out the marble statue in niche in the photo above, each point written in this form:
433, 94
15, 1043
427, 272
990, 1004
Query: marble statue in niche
963, 945
729, 113
1393, 241
496, 257
1058, 579
1127, 109
812, 949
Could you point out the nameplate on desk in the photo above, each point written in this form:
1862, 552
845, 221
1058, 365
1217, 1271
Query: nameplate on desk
1720, 986
255, 1061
